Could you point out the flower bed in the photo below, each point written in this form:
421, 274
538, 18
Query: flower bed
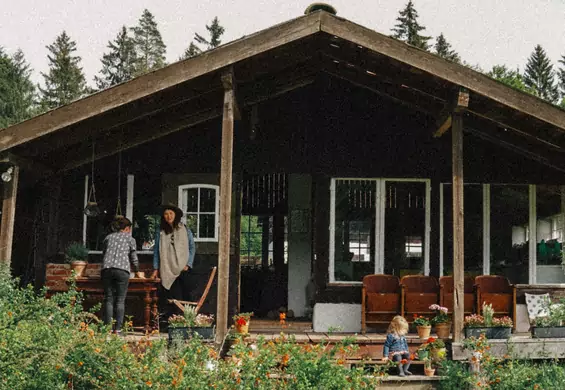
53, 344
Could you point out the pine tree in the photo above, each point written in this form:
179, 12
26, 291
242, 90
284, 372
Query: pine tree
118, 65
215, 31
539, 75
513, 78
17, 91
192, 51
149, 47
65, 81
444, 50
408, 29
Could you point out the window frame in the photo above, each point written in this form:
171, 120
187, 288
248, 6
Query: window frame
379, 249
216, 213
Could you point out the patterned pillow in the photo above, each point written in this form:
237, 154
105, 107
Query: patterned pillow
537, 305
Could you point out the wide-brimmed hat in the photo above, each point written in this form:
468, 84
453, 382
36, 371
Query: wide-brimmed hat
169, 206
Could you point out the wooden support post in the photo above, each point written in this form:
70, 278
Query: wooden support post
225, 208
8, 217
458, 217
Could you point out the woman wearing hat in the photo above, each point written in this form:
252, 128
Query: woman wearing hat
173, 253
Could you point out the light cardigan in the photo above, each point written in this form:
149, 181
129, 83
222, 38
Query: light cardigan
191, 249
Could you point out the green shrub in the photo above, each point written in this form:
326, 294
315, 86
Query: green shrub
53, 344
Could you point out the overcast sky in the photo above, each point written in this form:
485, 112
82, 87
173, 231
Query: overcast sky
484, 32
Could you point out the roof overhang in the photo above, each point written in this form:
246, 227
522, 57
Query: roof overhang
272, 62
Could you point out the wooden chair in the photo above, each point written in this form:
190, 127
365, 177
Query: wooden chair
197, 305
418, 292
446, 288
497, 291
380, 300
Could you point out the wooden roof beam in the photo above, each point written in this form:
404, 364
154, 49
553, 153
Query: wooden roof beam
460, 103
28, 165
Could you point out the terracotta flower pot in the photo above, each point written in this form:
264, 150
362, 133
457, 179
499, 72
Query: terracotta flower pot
429, 371
424, 331
443, 330
242, 329
78, 267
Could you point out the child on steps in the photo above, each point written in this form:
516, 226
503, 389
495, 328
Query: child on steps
396, 347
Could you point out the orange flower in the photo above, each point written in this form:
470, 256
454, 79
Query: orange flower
411, 356
148, 383
285, 359
10, 314
403, 361
97, 350
80, 364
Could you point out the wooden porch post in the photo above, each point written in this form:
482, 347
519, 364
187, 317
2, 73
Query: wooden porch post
8, 217
458, 217
225, 207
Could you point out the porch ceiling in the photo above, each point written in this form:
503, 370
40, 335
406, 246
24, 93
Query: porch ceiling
271, 63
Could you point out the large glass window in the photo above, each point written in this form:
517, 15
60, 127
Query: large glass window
509, 221
354, 229
200, 205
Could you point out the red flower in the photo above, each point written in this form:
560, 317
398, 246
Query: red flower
415, 315
403, 361
430, 340
411, 356
241, 322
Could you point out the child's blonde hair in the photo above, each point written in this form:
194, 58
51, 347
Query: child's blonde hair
398, 325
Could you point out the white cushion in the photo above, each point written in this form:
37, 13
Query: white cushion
537, 305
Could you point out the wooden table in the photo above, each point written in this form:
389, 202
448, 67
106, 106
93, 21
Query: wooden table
145, 288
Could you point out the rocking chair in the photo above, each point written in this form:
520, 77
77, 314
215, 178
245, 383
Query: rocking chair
197, 305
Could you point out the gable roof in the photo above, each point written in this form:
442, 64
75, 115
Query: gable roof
346, 44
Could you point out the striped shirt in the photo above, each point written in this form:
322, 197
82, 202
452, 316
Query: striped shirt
119, 251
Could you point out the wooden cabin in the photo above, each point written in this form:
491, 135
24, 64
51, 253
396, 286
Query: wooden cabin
306, 156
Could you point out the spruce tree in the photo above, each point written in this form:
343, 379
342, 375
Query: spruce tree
539, 75
192, 51
17, 91
149, 47
118, 64
444, 50
513, 78
215, 32
65, 81
408, 29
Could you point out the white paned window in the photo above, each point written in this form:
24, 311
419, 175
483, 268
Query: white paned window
200, 204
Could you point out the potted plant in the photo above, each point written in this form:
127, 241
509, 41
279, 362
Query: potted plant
189, 323
242, 322
436, 348
423, 326
204, 326
423, 351
428, 369
441, 321
76, 254
550, 326
493, 328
